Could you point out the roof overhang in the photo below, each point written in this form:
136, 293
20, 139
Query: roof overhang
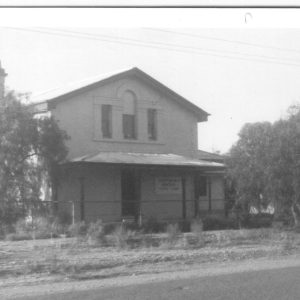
146, 159
204, 155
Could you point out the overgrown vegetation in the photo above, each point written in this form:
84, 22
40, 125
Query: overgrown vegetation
30, 150
124, 235
126, 253
264, 168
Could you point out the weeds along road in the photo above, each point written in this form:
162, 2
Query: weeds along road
282, 283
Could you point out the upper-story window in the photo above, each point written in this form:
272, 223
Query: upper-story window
129, 115
152, 124
106, 120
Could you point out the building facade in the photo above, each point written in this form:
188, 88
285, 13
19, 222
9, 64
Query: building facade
133, 151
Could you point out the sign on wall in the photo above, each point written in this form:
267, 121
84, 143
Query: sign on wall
168, 185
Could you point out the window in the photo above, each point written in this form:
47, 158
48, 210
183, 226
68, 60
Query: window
129, 126
106, 120
152, 124
129, 115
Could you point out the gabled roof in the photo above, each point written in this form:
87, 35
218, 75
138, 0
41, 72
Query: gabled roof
62, 93
147, 159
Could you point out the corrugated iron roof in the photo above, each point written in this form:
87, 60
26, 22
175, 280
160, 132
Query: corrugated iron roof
146, 159
210, 156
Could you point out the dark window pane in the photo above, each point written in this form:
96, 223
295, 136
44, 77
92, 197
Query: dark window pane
106, 119
152, 124
129, 126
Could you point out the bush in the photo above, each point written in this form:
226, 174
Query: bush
78, 229
43, 228
217, 222
197, 230
63, 220
39, 228
23, 226
185, 226
153, 226
121, 237
173, 232
261, 220
96, 233
109, 228
196, 226
289, 241
18, 236
5, 230
130, 225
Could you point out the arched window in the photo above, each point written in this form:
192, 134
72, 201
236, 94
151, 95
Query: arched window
129, 115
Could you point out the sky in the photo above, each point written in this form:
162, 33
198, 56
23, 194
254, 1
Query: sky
238, 75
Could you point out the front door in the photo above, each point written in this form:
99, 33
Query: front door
129, 193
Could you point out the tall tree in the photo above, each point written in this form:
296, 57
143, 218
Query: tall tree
30, 148
248, 164
265, 165
285, 166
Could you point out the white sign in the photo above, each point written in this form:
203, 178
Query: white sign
168, 185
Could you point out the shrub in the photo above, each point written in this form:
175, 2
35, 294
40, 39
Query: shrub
173, 232
5, 230
196, 226
174, 238
96, 233
261, 220
153, 226
62, 221
18, 236
78, 229
109, 228
197, 230
289, 242
39, 228
131, 226
217, 222
184, 226
122, 236
23, 226
43, 228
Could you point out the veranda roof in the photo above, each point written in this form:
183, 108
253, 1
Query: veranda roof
204, 155
146, 159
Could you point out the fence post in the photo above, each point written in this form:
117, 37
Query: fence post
82, 208
73, 212
183, 181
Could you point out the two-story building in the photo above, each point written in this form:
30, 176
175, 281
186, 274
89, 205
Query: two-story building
133, 151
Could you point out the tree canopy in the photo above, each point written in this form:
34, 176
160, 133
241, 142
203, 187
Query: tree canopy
265, 164
30, 149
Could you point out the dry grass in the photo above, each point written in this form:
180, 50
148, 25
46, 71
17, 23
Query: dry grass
76, 259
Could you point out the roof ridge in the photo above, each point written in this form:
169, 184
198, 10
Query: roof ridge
93, 79
68, 90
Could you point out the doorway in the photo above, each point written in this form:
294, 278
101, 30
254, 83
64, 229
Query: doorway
202, 194
129, 193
